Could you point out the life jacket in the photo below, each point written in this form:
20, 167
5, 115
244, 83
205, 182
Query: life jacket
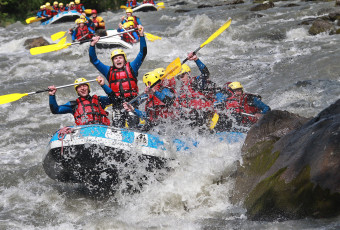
79, 7
127, 38
134, 3
72, 7
56, 10
122, 82
100, 21
48, 12
151, 1
89, 111
80, 33
62, 9
244, 104
156, 109
194, 99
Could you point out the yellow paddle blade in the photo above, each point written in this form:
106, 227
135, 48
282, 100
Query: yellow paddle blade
214, 121
152, 37
160, 4
218, 32
49, 48
88, 11
32, 19
172, 69
124, 7
58, 35
11, 97
62, 41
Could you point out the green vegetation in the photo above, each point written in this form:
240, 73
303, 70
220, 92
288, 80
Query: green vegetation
18, 10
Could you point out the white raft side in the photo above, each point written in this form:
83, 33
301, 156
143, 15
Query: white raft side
113, 138
114, 40
61, 15
146, 7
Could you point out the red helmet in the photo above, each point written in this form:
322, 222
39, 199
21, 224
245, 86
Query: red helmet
93, 12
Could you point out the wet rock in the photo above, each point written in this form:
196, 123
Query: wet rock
320, 26
182, 11
204, 6
334, 16
264, 6
337, 2
35, 42
290, 166
307, 21
291, 5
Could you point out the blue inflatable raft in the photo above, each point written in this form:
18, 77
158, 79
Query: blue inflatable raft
66, 16
93, 154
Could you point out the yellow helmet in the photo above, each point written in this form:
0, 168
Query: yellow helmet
126, 25
61, 4
117, 52
185, 69
235, 85
55, 3
151, 77
77, 1
42, 7
131, 19
71, 3
160, 71
79, 81
129, 10
83, 18
80, 20
47, 4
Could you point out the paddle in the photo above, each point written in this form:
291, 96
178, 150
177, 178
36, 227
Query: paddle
212, 37
16, 96
171, 70
32, 19
59, 46
124, 7
160, 5
58, 35
88, 11
152, 37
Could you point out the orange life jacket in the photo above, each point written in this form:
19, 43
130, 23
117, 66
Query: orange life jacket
89, 111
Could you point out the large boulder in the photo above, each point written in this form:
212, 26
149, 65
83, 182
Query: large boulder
291, 167
264, 6
320, 26
35, 42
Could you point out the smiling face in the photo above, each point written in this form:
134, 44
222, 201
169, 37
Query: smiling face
184, 77
83, 90
118, 61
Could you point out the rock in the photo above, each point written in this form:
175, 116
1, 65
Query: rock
320, 26
204, 6
254, 15
263, 6
35, 42
182, 11
337, 2
334, 16
290, 167
307, 21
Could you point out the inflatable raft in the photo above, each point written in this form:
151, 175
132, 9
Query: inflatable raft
66, 16
113, 42
95, 155
145, 7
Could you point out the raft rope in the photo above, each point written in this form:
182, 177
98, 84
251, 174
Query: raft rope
61, 135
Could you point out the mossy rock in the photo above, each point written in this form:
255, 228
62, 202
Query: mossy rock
274, 198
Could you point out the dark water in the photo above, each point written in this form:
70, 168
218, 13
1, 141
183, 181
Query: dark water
270, 55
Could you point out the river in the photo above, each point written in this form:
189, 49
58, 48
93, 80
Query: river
272, 56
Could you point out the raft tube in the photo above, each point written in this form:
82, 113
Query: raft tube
113, 42
66, 16
145, 7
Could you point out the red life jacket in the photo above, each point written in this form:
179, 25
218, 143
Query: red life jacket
79, 8
156, 109
62, 9
134, 2
80, 33
127, 38
151, 1
55, 11
89, 111
72, 7
122, 81
244, 104
190, 98
48, 12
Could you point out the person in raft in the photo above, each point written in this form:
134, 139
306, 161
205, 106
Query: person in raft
129, 14
79, 7
86, 109
122, 77
98, 23
161, 95
82, 32
129, 37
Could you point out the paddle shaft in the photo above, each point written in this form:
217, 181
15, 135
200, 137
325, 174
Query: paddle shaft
195, 52
248, 114
89, 40
60, 87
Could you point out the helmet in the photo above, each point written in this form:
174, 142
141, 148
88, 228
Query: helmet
126, 25
47, 4
83, 17
129, 10
185, 69
117, 52
42, 7
71, 3
235, 85
151, 77
80, 20
77, 1
61, 4
131, 19
93, 12
79, 81
160, 71
54, 3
